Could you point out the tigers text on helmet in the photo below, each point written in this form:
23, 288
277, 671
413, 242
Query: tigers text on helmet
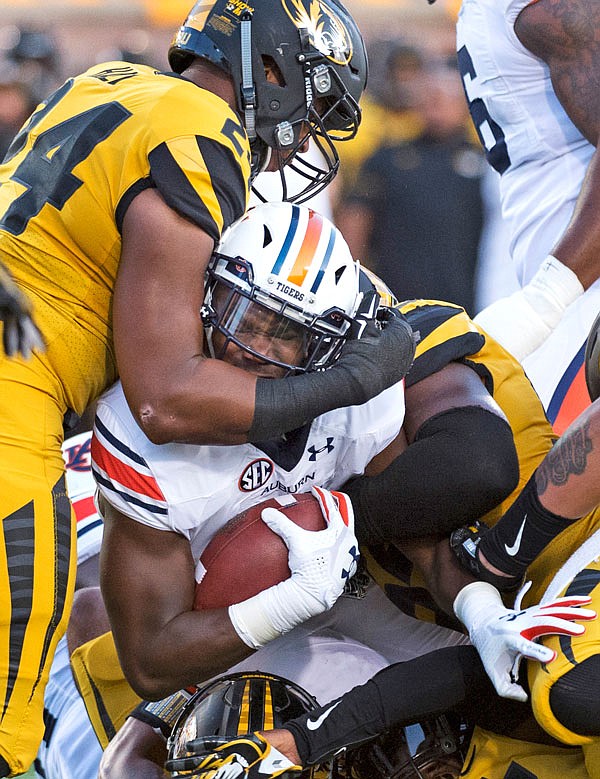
283, 287
299, 68
231, 706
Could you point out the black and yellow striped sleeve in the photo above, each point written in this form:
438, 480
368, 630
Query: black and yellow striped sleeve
447, 334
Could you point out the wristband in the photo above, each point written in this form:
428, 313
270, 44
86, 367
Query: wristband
473, 599
273, 612
251, 624
552, 288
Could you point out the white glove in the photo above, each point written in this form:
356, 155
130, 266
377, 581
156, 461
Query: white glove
522, 321
321, 563
504, 636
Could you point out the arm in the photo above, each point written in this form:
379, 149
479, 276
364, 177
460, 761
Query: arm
562, 34
173, 390
460, 462
564, 487
178, 394
167, 646
136, 752
147, 579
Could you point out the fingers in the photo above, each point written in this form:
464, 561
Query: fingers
574, 601
568, 613
553, 628
20, 335
31, 338
280, 524
334, 504
508, 689
10, 335
534, 651
526, 586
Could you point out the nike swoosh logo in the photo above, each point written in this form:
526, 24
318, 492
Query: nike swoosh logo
513, 550
313, 724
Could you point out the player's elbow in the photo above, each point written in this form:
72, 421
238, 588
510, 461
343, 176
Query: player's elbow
158, 422
149, 687
493, 469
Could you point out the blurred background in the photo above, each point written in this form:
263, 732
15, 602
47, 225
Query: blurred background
414, 198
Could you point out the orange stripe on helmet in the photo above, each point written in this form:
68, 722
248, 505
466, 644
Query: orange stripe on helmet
306, 253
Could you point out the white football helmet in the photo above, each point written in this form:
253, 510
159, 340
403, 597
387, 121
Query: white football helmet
285, 271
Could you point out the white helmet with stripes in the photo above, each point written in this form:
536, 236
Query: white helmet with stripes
283, 287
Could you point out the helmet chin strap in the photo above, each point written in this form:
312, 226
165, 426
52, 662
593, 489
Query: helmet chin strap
248, 91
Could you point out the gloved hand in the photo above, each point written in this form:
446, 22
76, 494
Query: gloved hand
214, 757
321, 563
379, 358
504, 636
522, 321
20, 333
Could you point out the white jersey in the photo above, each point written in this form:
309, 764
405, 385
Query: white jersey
195, 490
529, 139
542, 158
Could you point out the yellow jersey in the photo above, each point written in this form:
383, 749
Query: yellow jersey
66, 183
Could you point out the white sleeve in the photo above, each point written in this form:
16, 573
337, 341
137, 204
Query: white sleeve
123, 476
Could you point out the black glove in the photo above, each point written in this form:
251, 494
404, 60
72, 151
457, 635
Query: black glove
381, 357
20, 333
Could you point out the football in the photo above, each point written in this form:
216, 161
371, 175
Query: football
246, 556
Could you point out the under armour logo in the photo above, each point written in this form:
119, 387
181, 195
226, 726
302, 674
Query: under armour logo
355, 554
329, 447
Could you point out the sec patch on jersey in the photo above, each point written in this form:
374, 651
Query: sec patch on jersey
246, 557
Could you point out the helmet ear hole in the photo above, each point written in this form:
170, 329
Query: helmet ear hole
339, 273
273, 73
268, 239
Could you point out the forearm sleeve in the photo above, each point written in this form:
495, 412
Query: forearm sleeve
462, 463
450, 679
282, 405
366, 366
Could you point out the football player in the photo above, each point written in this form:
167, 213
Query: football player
311, 254
102, 193
473, 431
530, 74
563, 689
282, 296
65, 744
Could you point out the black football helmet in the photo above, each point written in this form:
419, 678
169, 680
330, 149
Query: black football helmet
432, 749
232, 706
317, 61
592, 360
